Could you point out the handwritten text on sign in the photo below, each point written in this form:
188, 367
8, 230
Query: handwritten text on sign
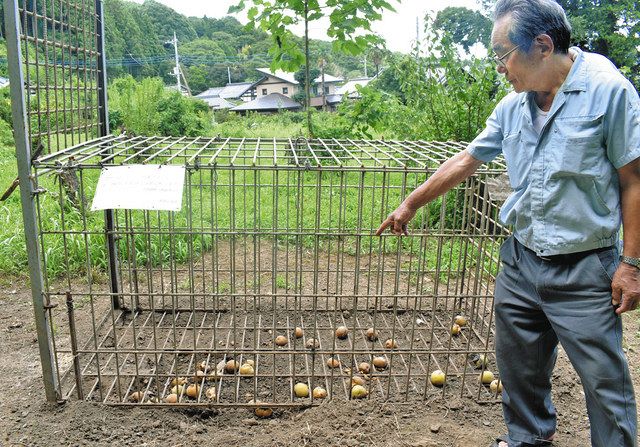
140, 187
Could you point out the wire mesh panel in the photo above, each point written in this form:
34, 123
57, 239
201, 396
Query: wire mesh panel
62, 65
58, 99
271, 274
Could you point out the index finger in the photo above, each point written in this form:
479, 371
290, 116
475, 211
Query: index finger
386, 224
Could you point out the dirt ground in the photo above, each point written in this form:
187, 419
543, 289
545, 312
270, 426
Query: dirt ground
28, 420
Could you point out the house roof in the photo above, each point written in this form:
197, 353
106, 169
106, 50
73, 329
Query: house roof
229, 91
236, 89
328, 79
216, 103
282, 75
273, 101
349, 88
210, 93
3, 81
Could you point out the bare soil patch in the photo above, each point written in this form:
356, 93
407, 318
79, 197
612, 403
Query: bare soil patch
27, 419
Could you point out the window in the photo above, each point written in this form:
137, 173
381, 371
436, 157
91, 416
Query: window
264, 91
326, 90
285, 90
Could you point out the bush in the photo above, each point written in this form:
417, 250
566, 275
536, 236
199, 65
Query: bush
148, 108
257, 125
328, 125
438, 97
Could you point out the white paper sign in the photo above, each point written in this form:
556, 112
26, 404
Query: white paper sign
140, 187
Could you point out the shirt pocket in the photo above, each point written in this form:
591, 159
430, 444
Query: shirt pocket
580, 144
518, 160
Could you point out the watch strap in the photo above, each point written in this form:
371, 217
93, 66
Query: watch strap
631, 261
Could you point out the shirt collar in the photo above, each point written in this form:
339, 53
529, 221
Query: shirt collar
577, 77
576, 80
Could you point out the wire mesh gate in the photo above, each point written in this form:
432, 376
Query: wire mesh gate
268, 277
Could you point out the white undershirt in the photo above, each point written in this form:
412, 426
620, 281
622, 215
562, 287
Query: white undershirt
539, 117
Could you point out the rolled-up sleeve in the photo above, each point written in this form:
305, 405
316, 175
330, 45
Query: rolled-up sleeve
488, 144
622, 126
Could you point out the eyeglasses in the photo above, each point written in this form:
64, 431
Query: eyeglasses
500, 60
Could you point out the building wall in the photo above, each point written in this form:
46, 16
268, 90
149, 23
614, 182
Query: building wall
274, 85
331, 89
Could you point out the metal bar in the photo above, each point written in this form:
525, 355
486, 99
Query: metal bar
74, 345
27, 194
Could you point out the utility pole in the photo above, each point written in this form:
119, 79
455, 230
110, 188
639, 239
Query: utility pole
365, 65
324, 95
176, 69
186, 84
307, 81
417, 36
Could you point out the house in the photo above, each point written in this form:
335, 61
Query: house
228, 96
286, 84
4, 82
218, 103
330, 85
350, 87
279, 82
271, 103
335, 96
331, 102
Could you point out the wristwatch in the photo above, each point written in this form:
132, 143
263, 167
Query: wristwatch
631, 261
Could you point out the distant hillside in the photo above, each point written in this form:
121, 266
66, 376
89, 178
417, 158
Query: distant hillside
209, 48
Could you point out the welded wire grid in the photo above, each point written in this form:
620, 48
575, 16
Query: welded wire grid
62, 68
273, 235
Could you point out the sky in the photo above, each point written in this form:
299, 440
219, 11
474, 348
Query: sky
397, 28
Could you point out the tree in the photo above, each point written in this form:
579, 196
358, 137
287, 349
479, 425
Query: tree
377, 56
349, 28
167, 21
465, 26
608, 27
440, 96
301, 77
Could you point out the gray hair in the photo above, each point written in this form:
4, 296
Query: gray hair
530, 18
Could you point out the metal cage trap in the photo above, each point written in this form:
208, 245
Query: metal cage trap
270, 275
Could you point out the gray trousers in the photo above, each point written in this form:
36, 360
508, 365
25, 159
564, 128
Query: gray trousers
540, 302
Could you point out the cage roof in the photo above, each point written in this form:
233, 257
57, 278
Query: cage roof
261, 153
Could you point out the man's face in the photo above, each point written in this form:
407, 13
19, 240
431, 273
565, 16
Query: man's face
511, 61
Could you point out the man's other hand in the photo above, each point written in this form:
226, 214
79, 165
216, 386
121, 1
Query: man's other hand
626, 288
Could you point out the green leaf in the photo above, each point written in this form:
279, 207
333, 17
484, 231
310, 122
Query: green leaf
252, 13
351, 47
236, 8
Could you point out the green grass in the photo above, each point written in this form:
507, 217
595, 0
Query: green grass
13, 257
324, 203
73, 240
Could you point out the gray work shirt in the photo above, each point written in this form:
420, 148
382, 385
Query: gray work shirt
566, 194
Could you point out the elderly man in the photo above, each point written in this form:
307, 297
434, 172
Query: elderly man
570, 134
